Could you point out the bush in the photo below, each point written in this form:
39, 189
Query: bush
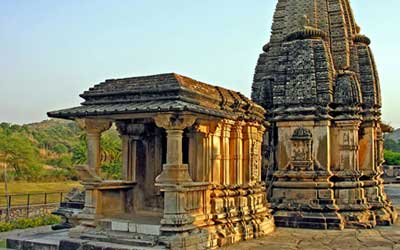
112, 171
392, 158
24, 223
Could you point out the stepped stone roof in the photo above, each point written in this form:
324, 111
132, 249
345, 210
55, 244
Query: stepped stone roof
317, 64
161, 93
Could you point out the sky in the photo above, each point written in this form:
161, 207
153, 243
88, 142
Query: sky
51, 51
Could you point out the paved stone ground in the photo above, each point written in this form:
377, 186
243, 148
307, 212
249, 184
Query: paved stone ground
381, 238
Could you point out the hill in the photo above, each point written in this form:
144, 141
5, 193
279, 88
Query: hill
395, 135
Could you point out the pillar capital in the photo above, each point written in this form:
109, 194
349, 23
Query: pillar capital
237, 129
130, 129
174, 121
93, 126
215, 127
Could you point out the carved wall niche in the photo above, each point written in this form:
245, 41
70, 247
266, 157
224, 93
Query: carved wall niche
301, 150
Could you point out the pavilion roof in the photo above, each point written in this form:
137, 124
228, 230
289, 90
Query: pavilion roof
161, 93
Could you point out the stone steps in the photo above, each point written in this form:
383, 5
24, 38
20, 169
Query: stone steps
130, 240
99, 245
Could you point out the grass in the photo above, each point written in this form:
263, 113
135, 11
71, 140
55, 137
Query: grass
24, 223
35, 187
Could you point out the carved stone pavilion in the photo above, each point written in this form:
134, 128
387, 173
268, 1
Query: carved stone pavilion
318, 80
191, 164
195, 156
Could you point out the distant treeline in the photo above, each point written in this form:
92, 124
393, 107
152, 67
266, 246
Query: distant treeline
392, 151
49, 150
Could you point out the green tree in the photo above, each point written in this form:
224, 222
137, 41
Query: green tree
17, 152
392, 158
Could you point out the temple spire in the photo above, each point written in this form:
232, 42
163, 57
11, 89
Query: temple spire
317, 74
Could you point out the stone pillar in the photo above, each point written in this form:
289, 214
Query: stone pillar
215, 138
371, 160
93, 129
130, 134
196, 153
237, 153
174, 171
367, 150
349, 194
175, 174
225, 154
249, 151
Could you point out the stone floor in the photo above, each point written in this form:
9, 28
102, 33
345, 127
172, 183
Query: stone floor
381, 238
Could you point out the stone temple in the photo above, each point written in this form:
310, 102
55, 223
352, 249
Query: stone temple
318, 80
191, 165
195, 156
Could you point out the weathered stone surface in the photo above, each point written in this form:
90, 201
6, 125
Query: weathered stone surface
191, 165
348, 239
317, 74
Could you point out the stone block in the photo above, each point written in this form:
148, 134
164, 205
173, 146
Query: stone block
148, 229
70, 244
119, 226
132, 228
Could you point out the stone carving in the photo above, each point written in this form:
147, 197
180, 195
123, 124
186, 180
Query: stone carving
191, 156
318, 72
301, 158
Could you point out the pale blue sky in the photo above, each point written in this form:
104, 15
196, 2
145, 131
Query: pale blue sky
51, 51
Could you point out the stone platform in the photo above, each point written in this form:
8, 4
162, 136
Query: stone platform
381, 238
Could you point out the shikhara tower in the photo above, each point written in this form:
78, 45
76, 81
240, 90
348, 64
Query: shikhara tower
318, 80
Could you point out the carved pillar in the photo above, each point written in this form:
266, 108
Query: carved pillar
249, 151
225, 155
130, 134
209, 154
175, 175
197, 149
349, 194
202, 155
174, 171
215, 138
237, 153
93, 129
367, 152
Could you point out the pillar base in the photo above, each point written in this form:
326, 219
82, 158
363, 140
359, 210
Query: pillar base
174, 173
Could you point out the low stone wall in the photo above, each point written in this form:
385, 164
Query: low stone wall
18, 212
